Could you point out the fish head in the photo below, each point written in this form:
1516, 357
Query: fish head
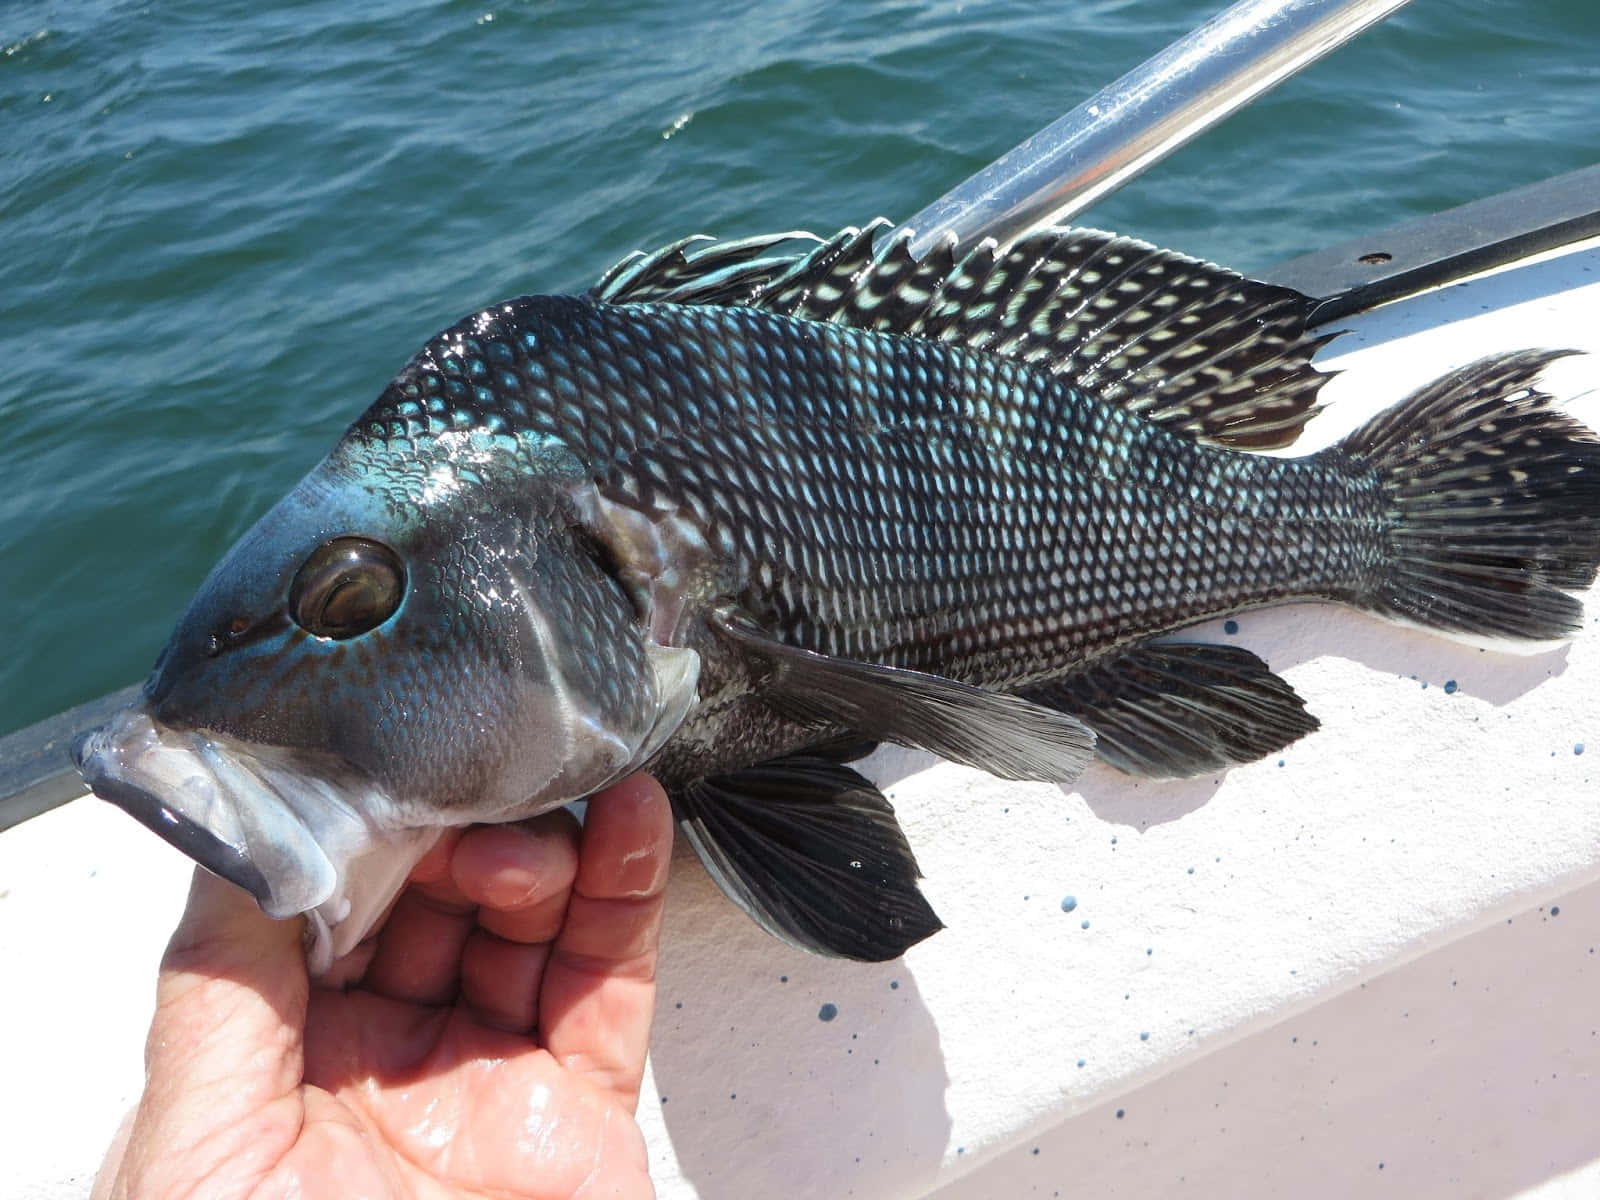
415, 637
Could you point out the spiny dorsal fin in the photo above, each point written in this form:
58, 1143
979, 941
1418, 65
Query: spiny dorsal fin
1189, 345
701, 270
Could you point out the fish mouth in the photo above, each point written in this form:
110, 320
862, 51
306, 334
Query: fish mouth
195, 840
302, 832
215, 799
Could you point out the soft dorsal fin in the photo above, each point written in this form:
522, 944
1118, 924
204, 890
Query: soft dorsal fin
995, 732
1189, 345
813, 852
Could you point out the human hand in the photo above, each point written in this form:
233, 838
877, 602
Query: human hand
493, 1046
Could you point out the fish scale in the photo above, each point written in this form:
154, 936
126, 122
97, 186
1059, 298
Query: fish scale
812, 443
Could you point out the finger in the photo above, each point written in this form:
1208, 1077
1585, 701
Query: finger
521, 877
599, 985
434, 865
417, 955
226, 1040
500, 982
105, 1179
432, 868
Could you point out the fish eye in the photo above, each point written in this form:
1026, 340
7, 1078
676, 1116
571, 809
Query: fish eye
347, 586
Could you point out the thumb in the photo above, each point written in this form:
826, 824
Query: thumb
232, 986
226, 1042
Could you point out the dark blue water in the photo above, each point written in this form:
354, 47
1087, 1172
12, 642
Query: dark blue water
223, 225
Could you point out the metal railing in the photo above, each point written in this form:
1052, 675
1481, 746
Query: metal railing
1153, 110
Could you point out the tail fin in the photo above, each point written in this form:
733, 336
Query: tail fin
1493, 502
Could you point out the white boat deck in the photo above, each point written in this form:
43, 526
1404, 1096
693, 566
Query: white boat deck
1367, 966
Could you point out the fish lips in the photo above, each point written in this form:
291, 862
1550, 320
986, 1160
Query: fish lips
192, 838
217, 801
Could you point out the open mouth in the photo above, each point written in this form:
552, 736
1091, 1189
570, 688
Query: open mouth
302, 833
215, 800
199, 843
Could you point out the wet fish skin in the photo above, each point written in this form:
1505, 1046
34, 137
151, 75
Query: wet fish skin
466, 705
707, 537
460, 664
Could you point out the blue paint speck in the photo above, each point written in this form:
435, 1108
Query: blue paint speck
1086, 924
827, 1012
1113, 841
1449, 687
1083, 1062
1578, 749
1191, 870
1144, 1037
1230, 627
1068, 903
1120, 1112
1150, 950
893, 984
1555, 910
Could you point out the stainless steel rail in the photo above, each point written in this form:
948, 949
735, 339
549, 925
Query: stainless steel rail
1151, 111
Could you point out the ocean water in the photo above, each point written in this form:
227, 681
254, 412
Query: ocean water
224, 225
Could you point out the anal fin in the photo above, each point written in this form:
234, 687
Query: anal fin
1172, 710
812, 851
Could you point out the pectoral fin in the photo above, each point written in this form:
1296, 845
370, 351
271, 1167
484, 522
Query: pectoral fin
813, 852
1171, 710
1005, 735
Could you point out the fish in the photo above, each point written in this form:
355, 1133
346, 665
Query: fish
748, 507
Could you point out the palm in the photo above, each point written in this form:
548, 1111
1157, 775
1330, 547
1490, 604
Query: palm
456, 1108
493, 1046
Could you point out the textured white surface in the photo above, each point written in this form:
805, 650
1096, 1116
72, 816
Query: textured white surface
1470, 1071
87, 898
1226, 917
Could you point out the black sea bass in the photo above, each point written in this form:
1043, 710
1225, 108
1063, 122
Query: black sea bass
739, 510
